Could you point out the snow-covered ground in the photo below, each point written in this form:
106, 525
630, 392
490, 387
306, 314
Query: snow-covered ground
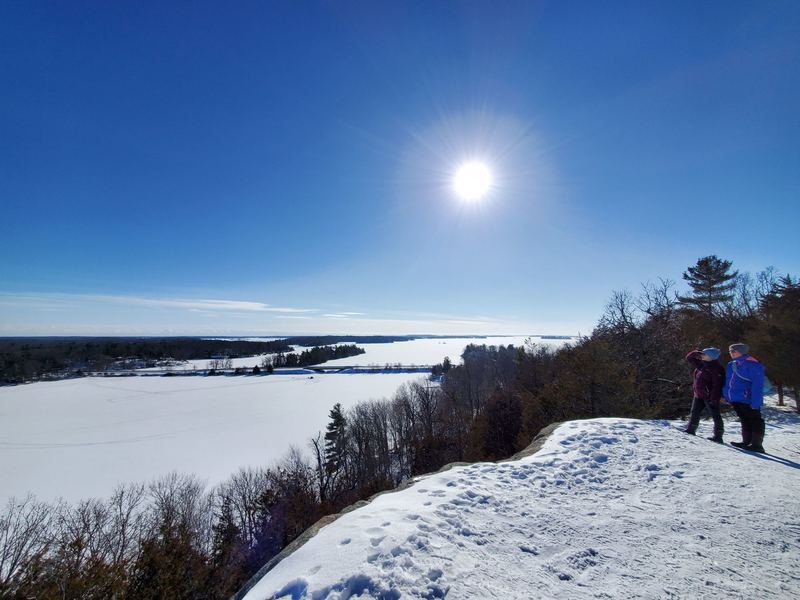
608, 508
201, 364
78, 438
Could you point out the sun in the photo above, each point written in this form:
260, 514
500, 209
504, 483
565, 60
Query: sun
472, 181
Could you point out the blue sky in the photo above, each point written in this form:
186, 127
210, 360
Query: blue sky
286, 167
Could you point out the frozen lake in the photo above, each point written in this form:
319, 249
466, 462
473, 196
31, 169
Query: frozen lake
80, 437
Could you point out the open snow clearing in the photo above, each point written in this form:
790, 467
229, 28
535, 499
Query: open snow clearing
608, 508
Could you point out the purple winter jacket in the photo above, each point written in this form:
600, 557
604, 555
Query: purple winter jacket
709, 377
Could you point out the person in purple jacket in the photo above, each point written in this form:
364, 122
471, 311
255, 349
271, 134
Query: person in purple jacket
709, 377
744, 390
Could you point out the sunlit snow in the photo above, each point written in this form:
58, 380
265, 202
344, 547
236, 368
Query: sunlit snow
609, 508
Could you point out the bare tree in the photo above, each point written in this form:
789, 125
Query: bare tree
621, 314
658, 300
245, 490
127, 523
25, 536
180, 500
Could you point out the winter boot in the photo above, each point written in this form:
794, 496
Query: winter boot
716, 438
740, 444
756, 448
757, 440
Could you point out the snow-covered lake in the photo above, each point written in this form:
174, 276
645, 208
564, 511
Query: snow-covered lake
80, 437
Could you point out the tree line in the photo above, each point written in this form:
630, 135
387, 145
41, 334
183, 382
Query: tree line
175, 539
25, 359
28, 359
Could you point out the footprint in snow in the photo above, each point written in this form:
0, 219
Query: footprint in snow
435, 574
584, 559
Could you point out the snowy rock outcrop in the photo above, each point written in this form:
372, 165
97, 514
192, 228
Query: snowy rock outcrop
608, 508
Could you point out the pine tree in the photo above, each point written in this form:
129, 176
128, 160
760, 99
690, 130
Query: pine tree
712, 283
335, 440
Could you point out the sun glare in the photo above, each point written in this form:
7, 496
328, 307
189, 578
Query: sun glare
472, 181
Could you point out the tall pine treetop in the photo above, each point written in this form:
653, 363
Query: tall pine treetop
712, 282
335, 439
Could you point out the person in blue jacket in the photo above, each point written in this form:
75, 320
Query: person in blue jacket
744, 390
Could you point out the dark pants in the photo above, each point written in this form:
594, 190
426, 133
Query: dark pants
752, 423
698, 404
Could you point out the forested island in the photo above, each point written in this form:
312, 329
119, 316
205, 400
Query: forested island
31, 359
316, 355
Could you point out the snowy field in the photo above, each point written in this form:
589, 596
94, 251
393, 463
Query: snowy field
78, 438
609, 508
201, 364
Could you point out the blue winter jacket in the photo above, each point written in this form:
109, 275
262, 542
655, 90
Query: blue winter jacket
745, 383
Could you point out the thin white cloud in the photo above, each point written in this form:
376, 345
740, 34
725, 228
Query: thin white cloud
201, 304
469, 322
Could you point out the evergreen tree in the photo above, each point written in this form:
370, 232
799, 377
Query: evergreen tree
775, 336
335, 440
228, 561
169, 566
269, 530
494, 431
712, 284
